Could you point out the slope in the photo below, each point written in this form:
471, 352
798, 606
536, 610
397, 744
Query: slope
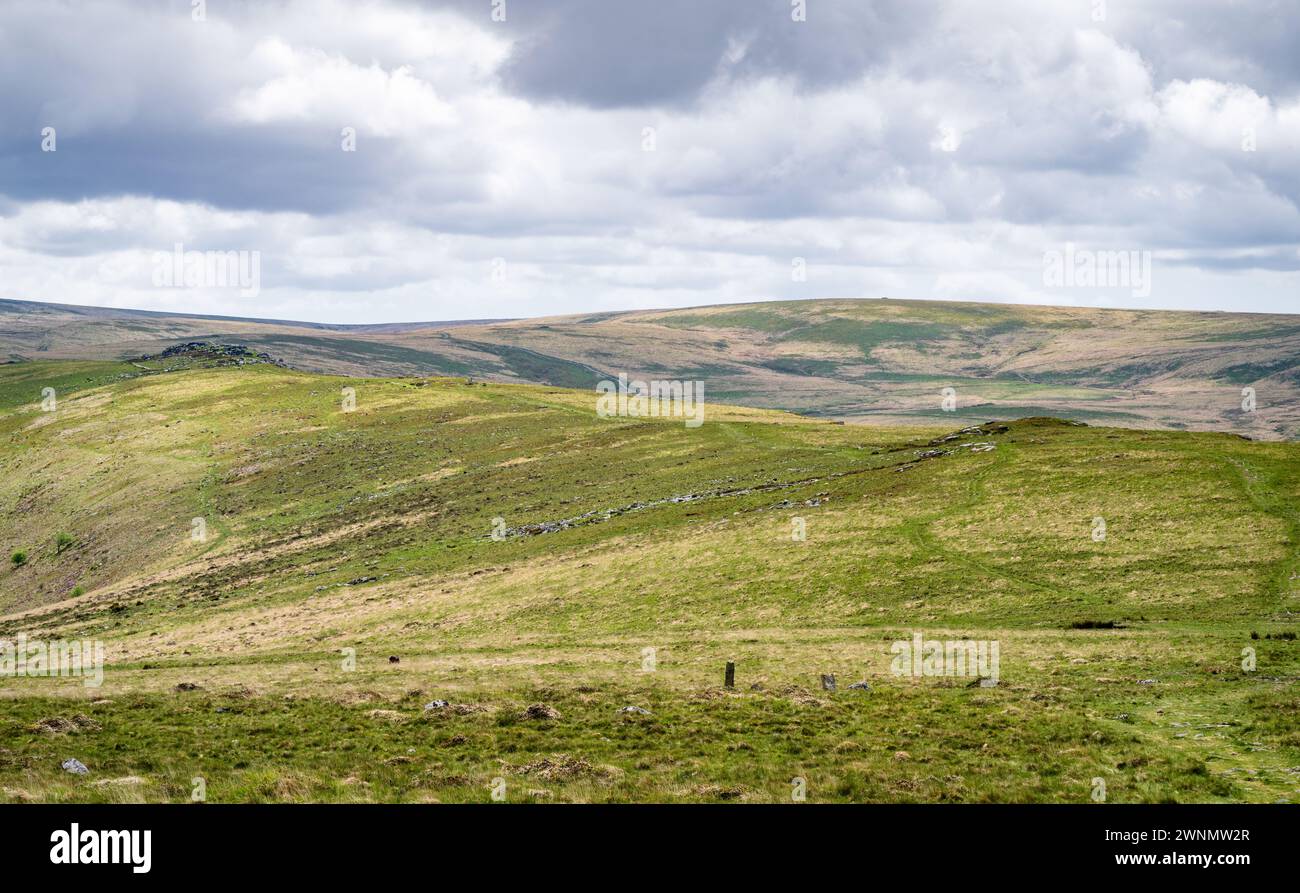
632, 558
884, 361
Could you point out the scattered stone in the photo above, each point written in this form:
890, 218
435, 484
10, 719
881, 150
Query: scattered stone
187, 686
862, 686
901, 755
828, 682
75, 766
1146, 682
639, 710
596, 516
223, 354
458, 709
540, 711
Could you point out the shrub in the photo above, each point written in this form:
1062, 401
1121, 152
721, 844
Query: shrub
62, 541
19, 558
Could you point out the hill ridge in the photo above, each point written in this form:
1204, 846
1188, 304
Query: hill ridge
879, 360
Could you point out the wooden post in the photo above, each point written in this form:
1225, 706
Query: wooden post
731, 675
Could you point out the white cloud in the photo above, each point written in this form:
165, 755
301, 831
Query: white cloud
1229, 117
936, 163
310, 85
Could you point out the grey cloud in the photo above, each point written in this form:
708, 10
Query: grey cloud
1247, 43
622, 54
1285, 260
612, 54
274, 171
1053, 131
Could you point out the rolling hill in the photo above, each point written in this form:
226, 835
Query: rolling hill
865, 360
453, 588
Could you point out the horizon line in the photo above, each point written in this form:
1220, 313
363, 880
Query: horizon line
226, 317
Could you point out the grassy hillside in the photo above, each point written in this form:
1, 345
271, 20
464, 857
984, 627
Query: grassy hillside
883, 361
372, 530
886, 360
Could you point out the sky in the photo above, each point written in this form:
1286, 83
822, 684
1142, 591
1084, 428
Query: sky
395, 160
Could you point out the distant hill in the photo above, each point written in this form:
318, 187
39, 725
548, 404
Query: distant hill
878, 360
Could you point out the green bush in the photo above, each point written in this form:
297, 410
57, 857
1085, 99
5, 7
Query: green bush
19, 558
62, 541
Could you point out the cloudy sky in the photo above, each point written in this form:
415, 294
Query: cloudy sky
588, 155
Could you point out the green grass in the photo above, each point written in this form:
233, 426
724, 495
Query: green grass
24, 383
865, 335
530, 365
370, 530
755, 318
1246, 373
